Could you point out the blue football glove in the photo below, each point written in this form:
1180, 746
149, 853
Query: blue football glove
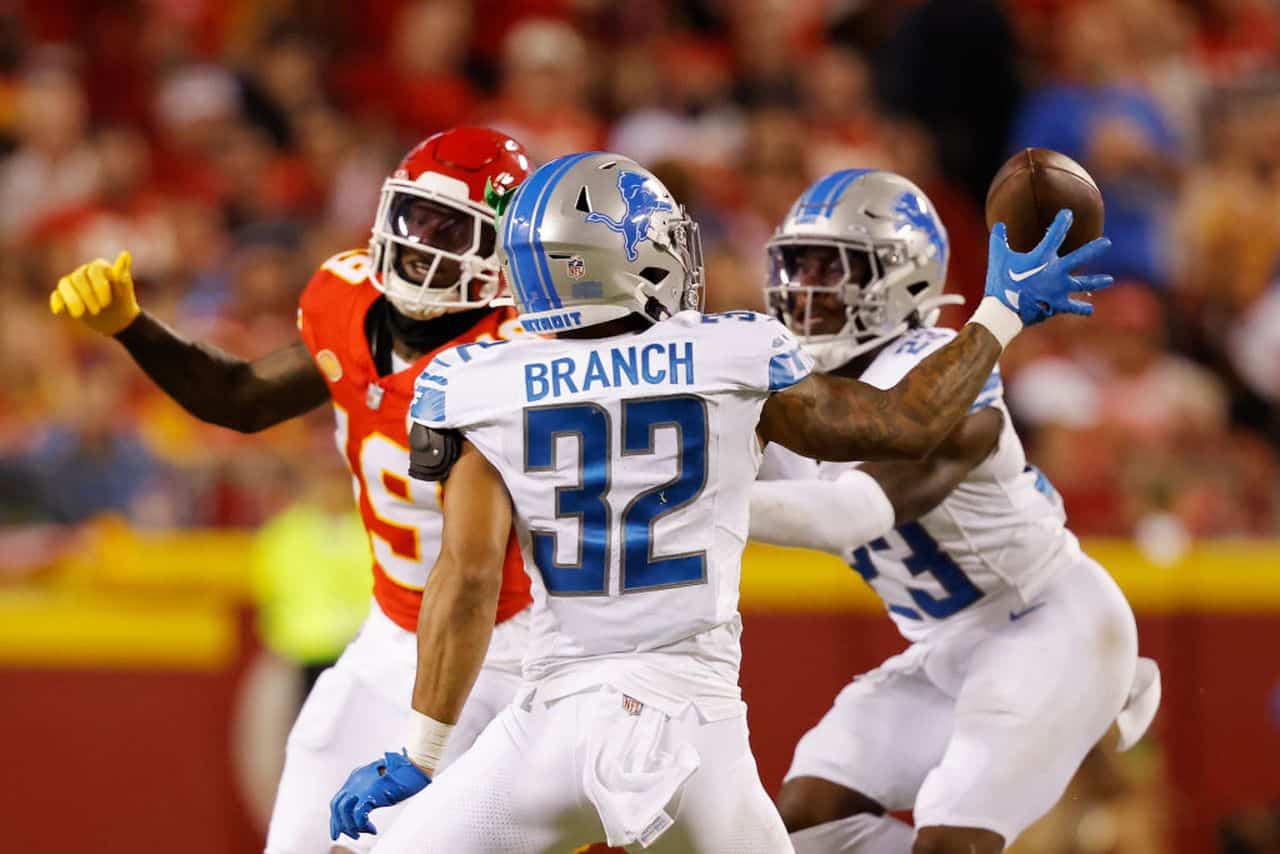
381, 783
1038, 284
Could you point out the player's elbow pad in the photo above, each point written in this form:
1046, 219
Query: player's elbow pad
432, 453
829, 516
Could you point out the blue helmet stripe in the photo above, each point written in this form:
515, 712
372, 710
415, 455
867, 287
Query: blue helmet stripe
507, 231
532, 269
825, 189
820, 198
518, 244
531, 278
522, 243
847, 177
808, 204
539, 255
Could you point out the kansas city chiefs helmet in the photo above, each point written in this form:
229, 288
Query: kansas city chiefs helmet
434, 243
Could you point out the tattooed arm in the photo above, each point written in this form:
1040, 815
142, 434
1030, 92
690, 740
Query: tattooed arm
222, 389
831, 418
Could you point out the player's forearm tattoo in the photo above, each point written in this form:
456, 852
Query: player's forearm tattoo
838, 419
220, 388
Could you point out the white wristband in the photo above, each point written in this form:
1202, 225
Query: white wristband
1000, 320
425, 741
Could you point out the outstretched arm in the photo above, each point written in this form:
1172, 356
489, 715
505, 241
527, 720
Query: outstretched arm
223, 389
212, 385
829, 418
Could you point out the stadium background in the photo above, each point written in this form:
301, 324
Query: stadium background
166, 586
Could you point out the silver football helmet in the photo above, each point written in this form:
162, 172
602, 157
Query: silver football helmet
594, 237
860, 258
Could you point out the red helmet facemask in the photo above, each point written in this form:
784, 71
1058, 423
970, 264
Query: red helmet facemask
434, 241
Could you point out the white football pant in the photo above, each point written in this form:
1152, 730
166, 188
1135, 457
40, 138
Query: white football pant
550, 777
985, 728
357, 711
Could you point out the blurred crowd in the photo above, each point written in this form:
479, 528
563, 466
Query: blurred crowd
232, 146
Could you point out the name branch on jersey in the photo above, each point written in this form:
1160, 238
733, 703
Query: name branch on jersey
629, 462
632, 366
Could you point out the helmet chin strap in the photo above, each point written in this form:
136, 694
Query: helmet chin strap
932, 304
830, 354
651, 308
839, 349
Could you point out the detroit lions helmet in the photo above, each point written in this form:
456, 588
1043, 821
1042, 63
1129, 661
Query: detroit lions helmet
860, 258
595, 237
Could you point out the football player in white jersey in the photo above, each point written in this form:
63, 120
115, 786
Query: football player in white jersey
1023, 648
624, 448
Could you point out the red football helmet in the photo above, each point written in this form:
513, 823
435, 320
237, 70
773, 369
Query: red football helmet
434, 243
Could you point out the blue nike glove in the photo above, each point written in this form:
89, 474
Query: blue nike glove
1038, 284
381, 783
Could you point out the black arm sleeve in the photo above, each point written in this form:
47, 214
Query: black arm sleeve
223, 389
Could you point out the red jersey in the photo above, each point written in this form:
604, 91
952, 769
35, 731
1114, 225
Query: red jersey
403, 517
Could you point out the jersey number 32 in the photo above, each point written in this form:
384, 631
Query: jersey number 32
587, 501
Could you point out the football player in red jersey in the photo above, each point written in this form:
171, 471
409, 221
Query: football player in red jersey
370, 321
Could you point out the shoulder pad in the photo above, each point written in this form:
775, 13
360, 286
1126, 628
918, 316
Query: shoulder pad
432, 452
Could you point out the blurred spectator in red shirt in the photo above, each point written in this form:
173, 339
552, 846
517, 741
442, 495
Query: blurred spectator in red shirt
1238, 37
196, 109
841, 120
417, 84
543, 97
1128, 431
1121, 376
679, 107
54, 165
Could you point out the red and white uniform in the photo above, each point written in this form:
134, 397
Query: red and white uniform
403, 516
358, 706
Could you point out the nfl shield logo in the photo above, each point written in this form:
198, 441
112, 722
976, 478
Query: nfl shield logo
577, 268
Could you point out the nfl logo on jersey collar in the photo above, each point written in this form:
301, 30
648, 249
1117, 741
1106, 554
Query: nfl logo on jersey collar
373, 396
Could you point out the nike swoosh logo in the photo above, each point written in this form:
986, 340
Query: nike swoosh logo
1018, 277
1012, 298
1018, 615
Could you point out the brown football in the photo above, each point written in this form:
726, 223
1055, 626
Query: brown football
1029, 190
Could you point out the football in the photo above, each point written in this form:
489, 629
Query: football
1029, 190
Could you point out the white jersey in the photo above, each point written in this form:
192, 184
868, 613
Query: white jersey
1000, 534
629, 461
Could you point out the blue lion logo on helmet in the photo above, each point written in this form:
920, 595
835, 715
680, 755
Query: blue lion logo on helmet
642, 203
911, 211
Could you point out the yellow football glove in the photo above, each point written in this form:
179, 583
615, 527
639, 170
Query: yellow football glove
99, 294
